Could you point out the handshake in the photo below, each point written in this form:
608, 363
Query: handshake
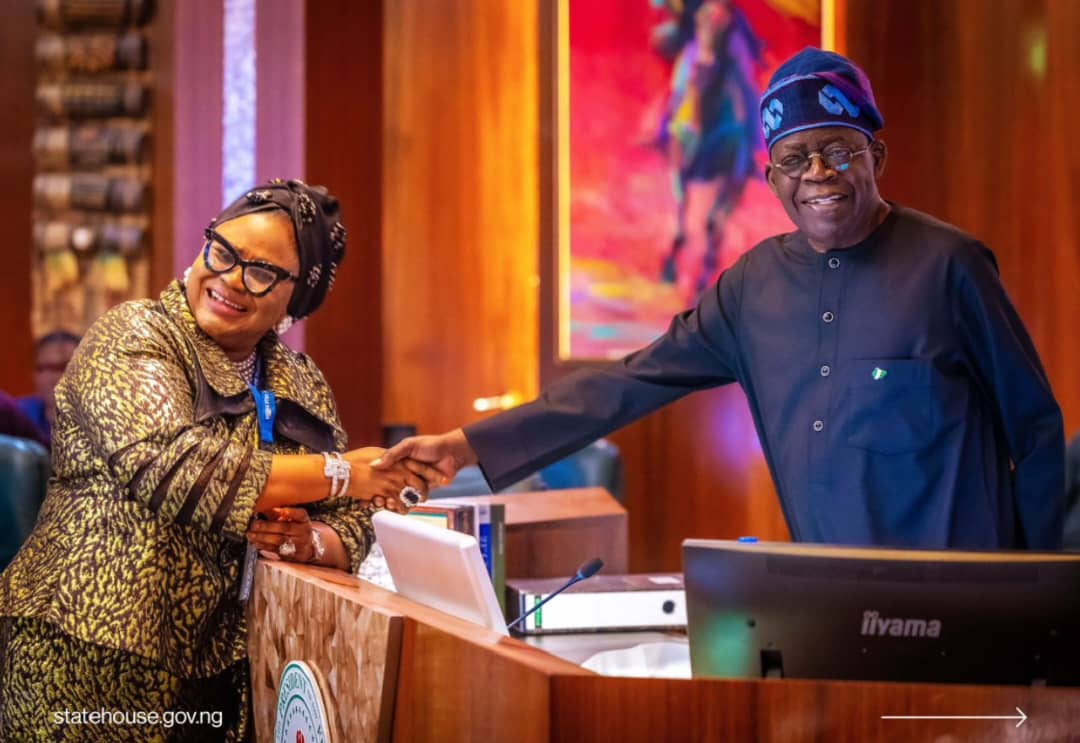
395, 479
400, 477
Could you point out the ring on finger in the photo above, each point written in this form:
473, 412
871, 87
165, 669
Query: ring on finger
287, 548
410, 496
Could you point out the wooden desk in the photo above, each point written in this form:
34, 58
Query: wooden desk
400, 671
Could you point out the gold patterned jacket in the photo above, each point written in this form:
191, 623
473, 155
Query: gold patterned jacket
139, 544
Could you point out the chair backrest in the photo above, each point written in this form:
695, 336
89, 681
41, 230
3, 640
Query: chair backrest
24, 476
597, 465
1072, 494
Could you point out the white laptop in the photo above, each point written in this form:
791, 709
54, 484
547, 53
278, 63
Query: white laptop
440, 568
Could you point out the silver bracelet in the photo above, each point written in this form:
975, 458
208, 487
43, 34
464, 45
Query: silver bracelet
317, 545
339, 471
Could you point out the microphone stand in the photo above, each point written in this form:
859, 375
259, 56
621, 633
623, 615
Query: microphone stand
587, 570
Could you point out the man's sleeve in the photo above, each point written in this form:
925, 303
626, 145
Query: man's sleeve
1007, 366
698, 351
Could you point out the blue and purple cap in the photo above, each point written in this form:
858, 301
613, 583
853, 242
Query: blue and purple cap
816, 88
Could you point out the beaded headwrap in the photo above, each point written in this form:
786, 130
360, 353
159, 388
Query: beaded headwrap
320, 235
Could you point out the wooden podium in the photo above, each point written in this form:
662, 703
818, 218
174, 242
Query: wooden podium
391, 669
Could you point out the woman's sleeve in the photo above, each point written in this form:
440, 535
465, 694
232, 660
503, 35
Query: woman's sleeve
129, 390
351, 520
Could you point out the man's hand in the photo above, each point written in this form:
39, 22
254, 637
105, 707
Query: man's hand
447, 453
432, 477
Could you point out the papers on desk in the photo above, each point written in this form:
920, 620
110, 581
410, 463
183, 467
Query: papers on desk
650, 660
375, 570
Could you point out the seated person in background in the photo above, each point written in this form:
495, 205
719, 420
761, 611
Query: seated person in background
898, 398
52, 353
126, 594
14, 422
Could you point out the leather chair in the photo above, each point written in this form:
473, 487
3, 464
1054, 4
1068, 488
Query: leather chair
1072, 495
24, 476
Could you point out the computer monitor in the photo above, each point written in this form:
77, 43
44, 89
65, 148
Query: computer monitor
439, 568
817, 611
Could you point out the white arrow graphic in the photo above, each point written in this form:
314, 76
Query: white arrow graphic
1019, 717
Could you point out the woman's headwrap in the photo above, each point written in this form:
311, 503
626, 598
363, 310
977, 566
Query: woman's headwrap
320, 235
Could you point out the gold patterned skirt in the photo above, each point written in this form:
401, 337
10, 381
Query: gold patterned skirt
54, 687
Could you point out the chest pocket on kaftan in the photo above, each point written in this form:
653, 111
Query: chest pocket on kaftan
893, 405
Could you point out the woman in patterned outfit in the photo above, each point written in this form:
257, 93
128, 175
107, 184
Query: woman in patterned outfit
125, 598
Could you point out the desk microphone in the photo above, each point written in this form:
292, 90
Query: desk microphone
587, 570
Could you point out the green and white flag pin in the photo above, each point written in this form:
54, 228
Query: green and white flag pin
878, 373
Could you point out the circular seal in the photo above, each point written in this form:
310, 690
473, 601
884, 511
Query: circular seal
301, 714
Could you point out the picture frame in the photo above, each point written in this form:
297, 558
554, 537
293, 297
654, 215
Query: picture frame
653, 171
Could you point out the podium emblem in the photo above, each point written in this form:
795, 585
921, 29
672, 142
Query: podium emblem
301, 712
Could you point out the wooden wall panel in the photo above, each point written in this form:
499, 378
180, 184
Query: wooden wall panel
1052, 294
1055, 302
17, 169
343, 130
978, 126
460, 207
162, 37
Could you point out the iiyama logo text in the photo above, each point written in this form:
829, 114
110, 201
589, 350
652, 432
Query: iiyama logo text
874, 624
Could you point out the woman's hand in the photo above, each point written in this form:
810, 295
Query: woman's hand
287, 526
367, 454
382, 488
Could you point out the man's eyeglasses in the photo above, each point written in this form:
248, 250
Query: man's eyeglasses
836, 157
259, 277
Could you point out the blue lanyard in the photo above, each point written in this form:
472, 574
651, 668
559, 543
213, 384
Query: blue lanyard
265, 408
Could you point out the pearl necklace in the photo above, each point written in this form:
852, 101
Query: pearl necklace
246, 368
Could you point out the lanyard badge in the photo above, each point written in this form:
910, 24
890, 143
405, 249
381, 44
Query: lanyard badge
265, 410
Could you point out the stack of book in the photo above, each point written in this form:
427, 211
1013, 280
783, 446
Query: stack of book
485, 522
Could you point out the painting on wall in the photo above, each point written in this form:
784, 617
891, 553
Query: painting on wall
660, 156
